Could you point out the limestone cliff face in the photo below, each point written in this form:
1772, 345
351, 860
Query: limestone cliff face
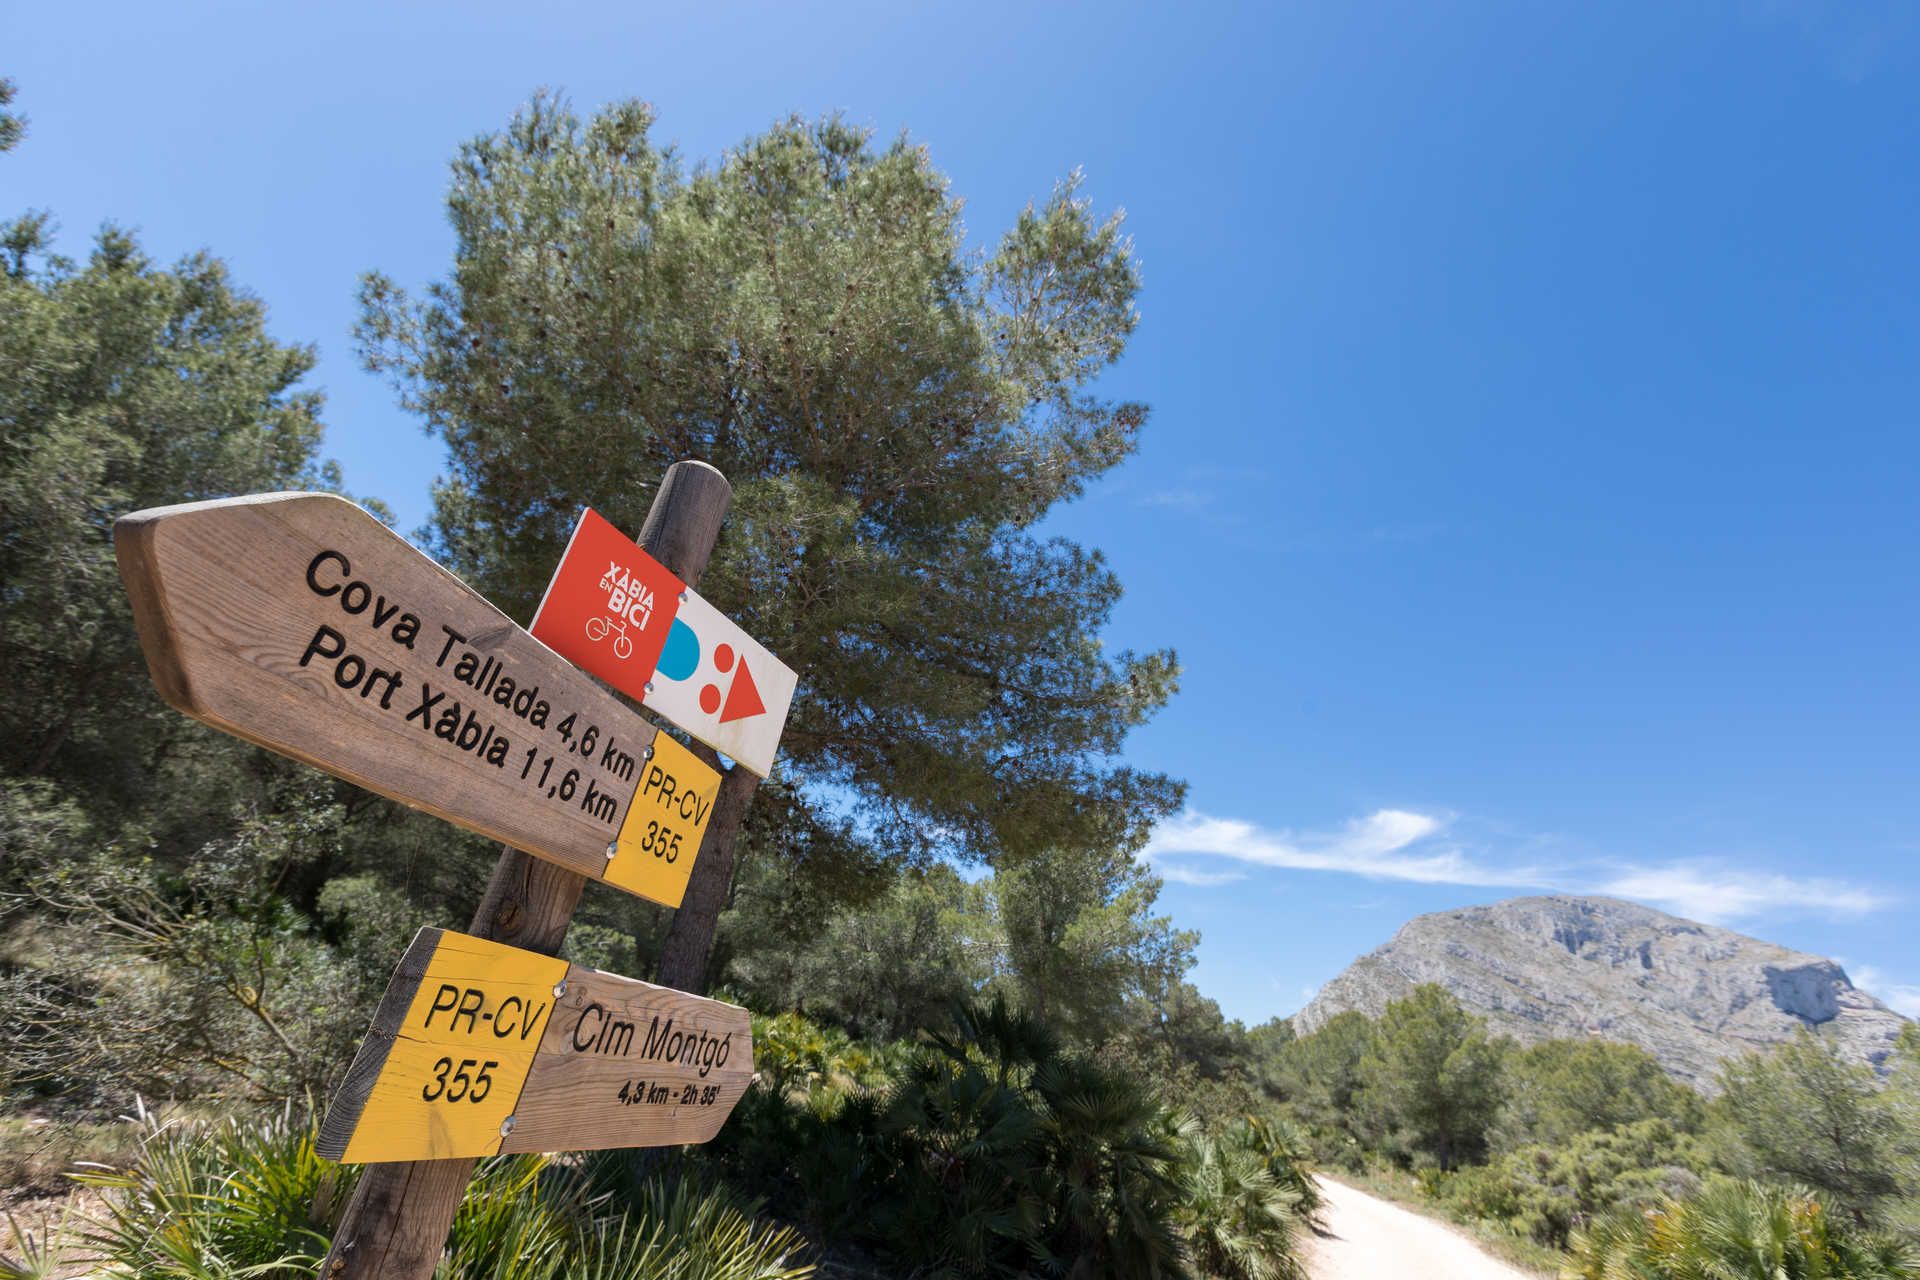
1690, 994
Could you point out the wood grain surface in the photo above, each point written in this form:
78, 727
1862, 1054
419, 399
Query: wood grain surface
480, 1048
446, 1078
300, 622
336, 1129
628, 1064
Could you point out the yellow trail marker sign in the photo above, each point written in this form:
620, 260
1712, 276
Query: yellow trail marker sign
300, 622
480, 1048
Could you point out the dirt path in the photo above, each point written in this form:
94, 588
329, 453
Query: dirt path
1370, 1239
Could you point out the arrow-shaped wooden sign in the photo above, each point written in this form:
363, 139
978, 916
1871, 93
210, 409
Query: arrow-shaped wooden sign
481, 1048
300, 622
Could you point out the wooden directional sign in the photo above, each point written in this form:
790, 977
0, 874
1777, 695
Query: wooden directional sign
300, 622
620, 614
480, 1048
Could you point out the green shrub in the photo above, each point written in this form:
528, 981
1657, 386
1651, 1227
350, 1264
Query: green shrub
1559, 1089
227, 1202
1287, 1152
528, 1218
793, 1052
991, 1151
1241, 1200
1545, 1193
202, 983
1107, 1174
1735, 1230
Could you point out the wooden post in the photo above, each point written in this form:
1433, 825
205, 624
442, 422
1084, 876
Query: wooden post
689, 945
397, 1222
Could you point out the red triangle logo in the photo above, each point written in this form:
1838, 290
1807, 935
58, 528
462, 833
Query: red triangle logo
743, 698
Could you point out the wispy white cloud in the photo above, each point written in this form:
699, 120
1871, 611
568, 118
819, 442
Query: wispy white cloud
1185, 497
1901, 997
1379, 846
1714, 893
1418, 848
1183, 873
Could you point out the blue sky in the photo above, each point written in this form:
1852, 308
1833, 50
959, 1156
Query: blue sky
1529, 491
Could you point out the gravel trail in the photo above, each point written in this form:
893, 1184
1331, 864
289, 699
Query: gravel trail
1369, 1239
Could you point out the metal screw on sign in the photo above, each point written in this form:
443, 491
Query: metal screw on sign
613, 847
506, 1126
559, 988
648, 753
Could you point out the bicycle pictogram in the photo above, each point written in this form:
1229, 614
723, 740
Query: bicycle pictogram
599, 628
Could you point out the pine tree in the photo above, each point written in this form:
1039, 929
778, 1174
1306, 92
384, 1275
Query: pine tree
122, 385
1433, 1076
896, 414
1805, 1113
12, 125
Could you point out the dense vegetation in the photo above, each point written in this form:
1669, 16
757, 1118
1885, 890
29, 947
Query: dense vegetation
1587, 1145
188, 921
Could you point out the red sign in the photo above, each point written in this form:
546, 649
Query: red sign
609, 607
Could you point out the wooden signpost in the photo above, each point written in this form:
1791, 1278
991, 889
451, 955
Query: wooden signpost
480, 1048
299, 622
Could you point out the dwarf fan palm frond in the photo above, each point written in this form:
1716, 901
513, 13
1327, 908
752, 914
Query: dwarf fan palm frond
1735, 1230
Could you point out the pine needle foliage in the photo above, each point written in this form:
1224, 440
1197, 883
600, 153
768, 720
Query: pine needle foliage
1433, 1076
896, 412
13, 126
123, 384
1806, 1114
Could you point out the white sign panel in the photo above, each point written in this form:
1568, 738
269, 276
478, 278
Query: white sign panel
716, 682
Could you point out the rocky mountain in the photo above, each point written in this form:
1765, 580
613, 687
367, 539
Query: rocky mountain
1690, 994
